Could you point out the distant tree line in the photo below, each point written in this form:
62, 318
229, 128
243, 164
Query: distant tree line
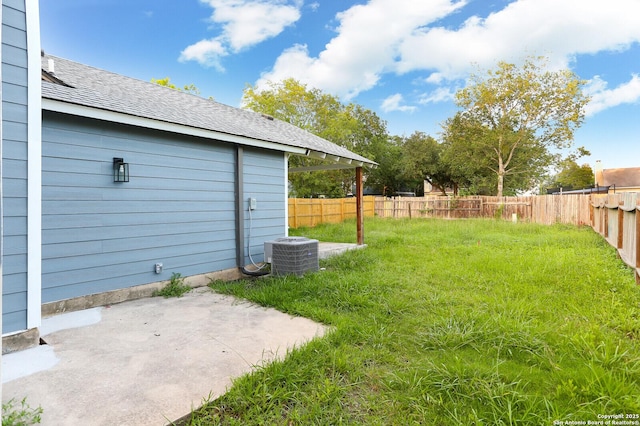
508, 136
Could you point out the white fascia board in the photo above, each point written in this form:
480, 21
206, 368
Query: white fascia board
332, 166
320, 167
117, 117
316, 154
34, 167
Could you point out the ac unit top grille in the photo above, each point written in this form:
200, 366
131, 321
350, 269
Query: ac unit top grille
292, 255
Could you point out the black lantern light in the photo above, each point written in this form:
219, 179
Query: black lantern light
120, 170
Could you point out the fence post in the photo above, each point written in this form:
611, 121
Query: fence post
620, 225
295, 212
637, 214
359, 207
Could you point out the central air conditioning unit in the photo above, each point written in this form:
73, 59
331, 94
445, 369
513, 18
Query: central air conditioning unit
292, 255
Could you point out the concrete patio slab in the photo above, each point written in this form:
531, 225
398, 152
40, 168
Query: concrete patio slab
331, 249
147, 361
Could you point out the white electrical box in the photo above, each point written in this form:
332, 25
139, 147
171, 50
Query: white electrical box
253, 204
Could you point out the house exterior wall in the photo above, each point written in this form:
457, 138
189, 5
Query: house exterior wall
98, 235
625, 179
177, 209
264, 179
14, 166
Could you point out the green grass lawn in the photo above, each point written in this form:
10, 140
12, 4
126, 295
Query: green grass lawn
447, 323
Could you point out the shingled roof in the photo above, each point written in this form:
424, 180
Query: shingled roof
71, 87
621, 178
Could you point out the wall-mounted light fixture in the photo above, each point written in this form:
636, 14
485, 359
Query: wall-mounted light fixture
120, 170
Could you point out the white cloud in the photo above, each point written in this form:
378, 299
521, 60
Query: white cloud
206, 52
247, 23
401, 36
441, 94
392, 103
435, 78
558, 29
365, 47
603, 98
244, 23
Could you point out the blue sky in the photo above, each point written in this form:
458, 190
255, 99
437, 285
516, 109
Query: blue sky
403, 59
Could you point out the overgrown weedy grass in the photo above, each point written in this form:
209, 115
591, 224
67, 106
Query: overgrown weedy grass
22, 415
174, 288
449, 322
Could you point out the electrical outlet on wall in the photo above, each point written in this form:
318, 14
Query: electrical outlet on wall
253, 203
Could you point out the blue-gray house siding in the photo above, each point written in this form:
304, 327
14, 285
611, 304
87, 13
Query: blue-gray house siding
14, 165
264, 180
194, 163
177, 209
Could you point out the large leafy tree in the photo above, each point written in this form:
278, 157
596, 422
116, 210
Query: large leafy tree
573, 176
465, 155
519, 115
351, 126
386, 179
166, 82
187, 88
423, 160
291, 101
469, 156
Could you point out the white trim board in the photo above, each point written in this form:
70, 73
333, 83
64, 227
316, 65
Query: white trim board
286, 195
34, 166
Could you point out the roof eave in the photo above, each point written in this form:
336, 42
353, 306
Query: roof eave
333, 166
337, 163
118, 117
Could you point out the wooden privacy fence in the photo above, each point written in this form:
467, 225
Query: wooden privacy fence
617, 218
313, 211
546, 209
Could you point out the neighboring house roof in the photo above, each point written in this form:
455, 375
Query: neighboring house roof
79, 89
622, 178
